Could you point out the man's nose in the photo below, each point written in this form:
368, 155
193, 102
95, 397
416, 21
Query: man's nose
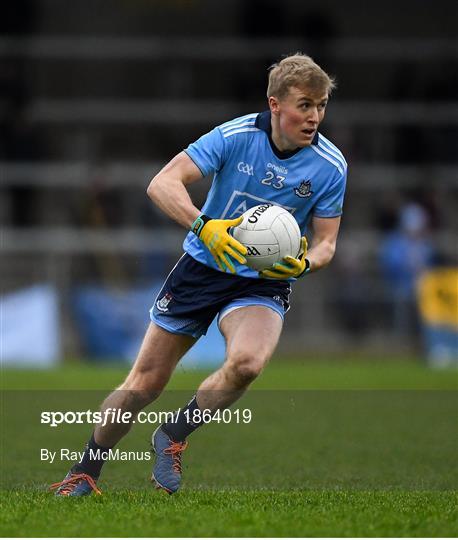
313, 115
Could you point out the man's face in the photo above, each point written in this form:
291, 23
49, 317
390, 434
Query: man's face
296, 117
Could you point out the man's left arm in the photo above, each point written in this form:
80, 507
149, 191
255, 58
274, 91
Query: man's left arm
323, 246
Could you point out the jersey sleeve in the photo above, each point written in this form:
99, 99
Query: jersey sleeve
208, 152
330, 203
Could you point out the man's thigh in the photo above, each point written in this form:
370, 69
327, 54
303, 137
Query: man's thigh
251, 332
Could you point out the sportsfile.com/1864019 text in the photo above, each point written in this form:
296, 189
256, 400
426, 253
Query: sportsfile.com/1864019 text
117, 416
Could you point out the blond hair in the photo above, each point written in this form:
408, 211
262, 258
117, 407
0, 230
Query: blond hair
298, 70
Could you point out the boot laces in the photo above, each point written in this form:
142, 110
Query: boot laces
70, 483
175, 450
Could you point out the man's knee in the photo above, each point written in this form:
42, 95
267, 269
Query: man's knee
146, 384
245, 366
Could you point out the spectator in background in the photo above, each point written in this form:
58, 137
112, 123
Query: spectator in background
404, 255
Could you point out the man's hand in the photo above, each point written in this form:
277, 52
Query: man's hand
214, 234
290, 267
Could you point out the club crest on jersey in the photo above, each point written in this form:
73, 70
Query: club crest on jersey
304, 190
162, 304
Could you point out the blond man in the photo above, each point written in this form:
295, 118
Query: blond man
277, 157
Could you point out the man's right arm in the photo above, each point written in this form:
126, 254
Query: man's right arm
168, 189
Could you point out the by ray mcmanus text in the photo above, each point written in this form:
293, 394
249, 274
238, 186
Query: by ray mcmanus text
66, 454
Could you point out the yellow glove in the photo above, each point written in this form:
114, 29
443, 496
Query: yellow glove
291, 267
214, 234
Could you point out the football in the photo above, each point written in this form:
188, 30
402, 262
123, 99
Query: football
269, 233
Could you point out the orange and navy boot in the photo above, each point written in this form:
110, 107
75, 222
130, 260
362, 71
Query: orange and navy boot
167, 468
76, 484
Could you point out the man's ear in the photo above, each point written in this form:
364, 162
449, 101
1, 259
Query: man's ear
274, 105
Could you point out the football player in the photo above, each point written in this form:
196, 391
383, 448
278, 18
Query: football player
276, 156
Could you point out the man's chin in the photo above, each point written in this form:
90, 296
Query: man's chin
304, 144
299, 143
307, 139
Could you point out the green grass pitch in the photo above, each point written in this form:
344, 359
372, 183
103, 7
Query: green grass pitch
334, 448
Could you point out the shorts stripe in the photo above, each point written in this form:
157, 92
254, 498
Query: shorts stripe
247, 302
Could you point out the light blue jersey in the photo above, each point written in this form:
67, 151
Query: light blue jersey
249, 170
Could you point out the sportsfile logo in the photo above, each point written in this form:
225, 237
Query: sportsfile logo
108, 416
245, 168
112, 415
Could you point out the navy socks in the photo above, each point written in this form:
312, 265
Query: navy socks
187, 421
93, 459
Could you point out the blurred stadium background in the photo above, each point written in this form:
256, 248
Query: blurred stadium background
95, 97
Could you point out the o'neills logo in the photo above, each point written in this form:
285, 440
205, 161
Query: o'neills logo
258, 212
277, 168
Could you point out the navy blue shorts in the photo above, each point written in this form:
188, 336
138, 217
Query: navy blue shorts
193, 294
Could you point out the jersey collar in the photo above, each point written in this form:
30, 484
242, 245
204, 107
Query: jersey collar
263, 122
